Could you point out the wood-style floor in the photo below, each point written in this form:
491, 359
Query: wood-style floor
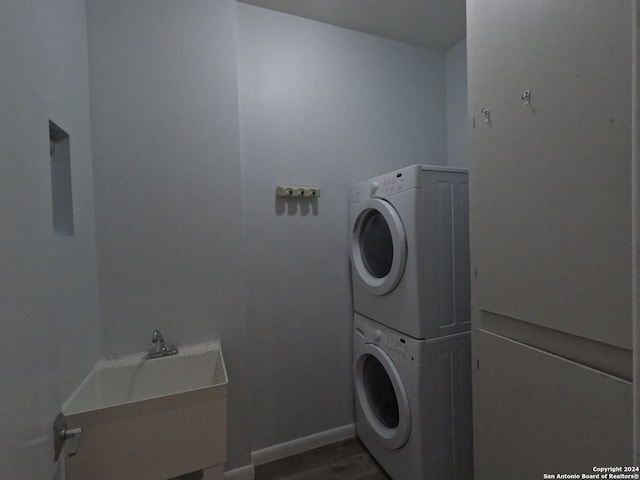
347, 460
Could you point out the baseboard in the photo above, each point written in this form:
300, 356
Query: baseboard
303, 444
242, 473
287, 449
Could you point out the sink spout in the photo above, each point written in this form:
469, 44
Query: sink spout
162, 350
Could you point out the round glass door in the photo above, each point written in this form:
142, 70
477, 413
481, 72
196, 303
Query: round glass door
382, 397
380, 394
378, 246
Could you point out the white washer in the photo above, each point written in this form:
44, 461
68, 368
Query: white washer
410, 250
413, 402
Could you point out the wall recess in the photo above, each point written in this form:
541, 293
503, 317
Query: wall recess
61, 194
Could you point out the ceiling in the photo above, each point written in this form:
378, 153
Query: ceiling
434, 24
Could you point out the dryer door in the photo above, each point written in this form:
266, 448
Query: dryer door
382, 396
378, 246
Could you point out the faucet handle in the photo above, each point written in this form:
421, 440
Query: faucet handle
157, 348
171, 346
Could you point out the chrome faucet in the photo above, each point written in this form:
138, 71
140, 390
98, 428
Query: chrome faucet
161, 350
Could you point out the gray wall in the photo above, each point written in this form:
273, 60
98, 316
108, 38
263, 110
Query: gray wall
319, 105
48, 290
457, 118
328, 107
164, 108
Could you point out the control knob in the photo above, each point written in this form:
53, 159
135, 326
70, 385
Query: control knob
377, 335
373, 187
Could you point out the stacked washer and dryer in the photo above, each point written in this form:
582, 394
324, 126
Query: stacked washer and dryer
411, 345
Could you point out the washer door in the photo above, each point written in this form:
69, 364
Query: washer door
382, 397
378, 246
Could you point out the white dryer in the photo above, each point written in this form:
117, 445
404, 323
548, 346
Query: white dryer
413, 402
410, 250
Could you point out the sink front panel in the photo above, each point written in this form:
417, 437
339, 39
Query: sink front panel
158, 445
150, 419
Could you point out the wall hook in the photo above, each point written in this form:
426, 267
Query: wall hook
526, 97
297, 192
486, 113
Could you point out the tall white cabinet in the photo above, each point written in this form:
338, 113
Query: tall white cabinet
550, 195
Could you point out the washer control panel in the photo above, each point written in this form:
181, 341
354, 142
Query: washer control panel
395, 344
392, 342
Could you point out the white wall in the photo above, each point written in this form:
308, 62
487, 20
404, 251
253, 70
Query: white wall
457, 117
48, 289
164, 108
320, 106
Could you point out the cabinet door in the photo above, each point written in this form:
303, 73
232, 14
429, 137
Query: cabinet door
536, 413
550, 182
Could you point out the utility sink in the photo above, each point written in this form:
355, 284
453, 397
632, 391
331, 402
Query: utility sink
150, 419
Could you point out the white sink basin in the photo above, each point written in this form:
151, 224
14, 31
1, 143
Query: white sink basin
150, 419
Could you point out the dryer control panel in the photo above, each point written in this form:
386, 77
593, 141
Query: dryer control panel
386, 185
395, 182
